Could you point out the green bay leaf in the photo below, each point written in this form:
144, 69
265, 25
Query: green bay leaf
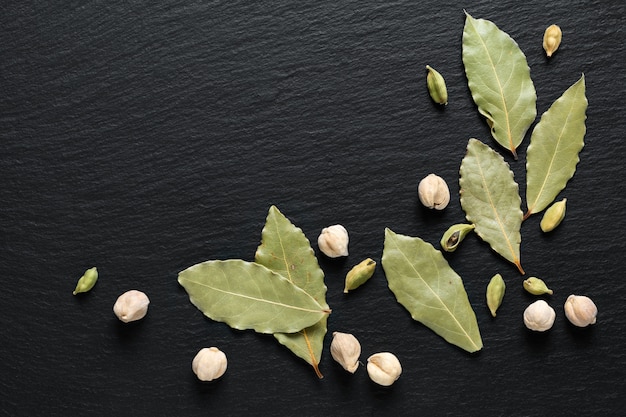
491, 201
554, 146
499, 79
246, 295
285, 250
423, 282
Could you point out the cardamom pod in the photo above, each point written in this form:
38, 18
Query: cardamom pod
436, 86
552, 39
455, 235
359, 274
495, 293
87, 281
553, 216
536, 286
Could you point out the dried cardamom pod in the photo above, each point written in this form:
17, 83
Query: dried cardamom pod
359, 274
436, 86
87, 281
552, 39
536, 286
455, 235
495, 293
553, 216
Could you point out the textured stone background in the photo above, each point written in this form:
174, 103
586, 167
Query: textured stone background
144, 137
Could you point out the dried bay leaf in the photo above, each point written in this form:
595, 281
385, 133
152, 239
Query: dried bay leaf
491, 201
423, 282
285, 250
498, 77
554, 146
246, 295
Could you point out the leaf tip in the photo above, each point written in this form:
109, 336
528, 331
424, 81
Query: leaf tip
518, 264
472, 142
478, 348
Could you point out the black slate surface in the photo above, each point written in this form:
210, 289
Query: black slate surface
144, 137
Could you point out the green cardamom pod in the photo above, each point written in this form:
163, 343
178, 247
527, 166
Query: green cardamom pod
436, 86
495, 293
454, 236
536, 286
359, 274
552, 39
87, 281
553, 216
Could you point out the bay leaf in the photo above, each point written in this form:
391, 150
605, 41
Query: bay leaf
246, 295
491, 201
285, 250
554, 146
424, 283
498, 77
